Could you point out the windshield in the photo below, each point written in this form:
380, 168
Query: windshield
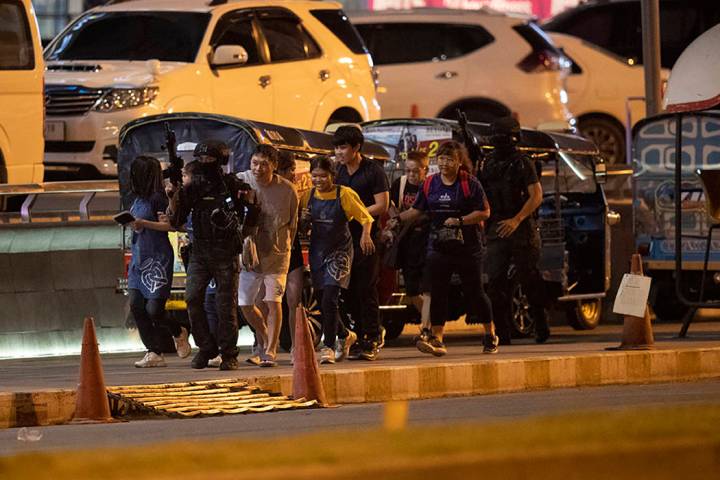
166, 36
575, 174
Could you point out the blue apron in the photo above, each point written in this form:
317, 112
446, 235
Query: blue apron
331, 248
151, 268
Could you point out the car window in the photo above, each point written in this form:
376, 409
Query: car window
16, 46
236, 28
165, 36
391, 43
337, 22
286, 37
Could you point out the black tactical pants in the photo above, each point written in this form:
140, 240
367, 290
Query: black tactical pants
521, 249
222, 264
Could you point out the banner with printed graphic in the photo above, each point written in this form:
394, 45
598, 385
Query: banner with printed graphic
654, 175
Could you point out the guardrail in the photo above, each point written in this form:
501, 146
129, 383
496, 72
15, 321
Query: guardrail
88, 188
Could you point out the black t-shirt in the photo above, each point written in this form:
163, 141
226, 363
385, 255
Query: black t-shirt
447, 201
368, 180
516, 176
409, 195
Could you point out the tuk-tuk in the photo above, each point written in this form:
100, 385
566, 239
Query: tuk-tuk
672, 221
152, 135
574, 218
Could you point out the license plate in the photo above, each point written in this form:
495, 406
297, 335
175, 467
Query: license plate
55, 131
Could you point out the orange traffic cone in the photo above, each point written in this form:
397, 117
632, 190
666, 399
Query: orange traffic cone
92, 404
637, 331
306, 376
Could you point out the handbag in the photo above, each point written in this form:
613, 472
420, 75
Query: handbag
447, 239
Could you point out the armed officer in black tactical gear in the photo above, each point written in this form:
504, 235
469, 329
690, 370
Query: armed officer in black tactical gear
218, 205
514, 192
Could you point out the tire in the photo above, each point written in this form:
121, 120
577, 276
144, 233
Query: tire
522, 324
476, 112
312, 310
584, 314
607, 135
394, 323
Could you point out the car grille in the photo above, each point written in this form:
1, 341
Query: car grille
68, 147
71, 100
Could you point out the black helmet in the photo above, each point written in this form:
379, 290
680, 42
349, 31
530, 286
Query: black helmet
505, 131
215, 149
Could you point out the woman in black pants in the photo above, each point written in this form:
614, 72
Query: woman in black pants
151, 268
329, 208
455, 202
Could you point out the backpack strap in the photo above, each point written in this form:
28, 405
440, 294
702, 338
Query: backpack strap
464, 184
401, 192
426, 185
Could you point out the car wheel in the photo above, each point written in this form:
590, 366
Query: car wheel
607, 136
314, 316
521, 321
584, 314
394, 322
665, 304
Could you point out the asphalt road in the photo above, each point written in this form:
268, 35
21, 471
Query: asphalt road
489, 408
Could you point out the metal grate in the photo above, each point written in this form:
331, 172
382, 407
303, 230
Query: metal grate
203, 398
71, 100
63, 67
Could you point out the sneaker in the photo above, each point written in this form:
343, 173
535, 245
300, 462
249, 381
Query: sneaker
181, 343
490, 343
327, 355
267, 360
355, 349
369, 350
201, 359
151, 359
439, 348
381, 338
431, 345
229, 363
215, 362
425, 335
343, 345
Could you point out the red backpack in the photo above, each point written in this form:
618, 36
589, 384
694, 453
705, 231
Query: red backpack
464, 183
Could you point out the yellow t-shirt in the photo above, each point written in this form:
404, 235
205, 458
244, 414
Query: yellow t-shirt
349, 200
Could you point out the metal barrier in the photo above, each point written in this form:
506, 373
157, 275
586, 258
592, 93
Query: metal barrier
89, 189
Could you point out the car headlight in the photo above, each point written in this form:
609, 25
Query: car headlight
122, 98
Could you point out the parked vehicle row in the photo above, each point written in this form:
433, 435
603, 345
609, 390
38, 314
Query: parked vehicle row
304, 64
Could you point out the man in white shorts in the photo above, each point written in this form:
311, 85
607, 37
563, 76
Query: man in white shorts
278, 202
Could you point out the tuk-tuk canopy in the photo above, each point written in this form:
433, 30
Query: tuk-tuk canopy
402, 135
694, 82
147, 136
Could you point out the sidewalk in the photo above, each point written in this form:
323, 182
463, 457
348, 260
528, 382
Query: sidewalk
41, 391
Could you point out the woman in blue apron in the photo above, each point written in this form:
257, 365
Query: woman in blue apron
151, 268
329, 208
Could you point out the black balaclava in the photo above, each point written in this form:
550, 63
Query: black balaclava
505, 133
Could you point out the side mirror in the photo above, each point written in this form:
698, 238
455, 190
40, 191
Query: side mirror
600, 173
229, 55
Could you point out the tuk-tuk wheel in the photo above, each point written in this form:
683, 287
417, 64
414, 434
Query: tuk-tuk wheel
584, 314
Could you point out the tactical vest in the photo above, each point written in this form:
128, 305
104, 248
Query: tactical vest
502, 180
214, 197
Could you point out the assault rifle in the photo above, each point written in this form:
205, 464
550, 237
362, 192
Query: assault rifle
474, 151
174, 171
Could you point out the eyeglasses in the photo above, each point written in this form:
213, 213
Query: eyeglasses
445, 160
413, 170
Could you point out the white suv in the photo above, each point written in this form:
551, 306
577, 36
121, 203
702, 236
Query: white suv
294, 63
489, 64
